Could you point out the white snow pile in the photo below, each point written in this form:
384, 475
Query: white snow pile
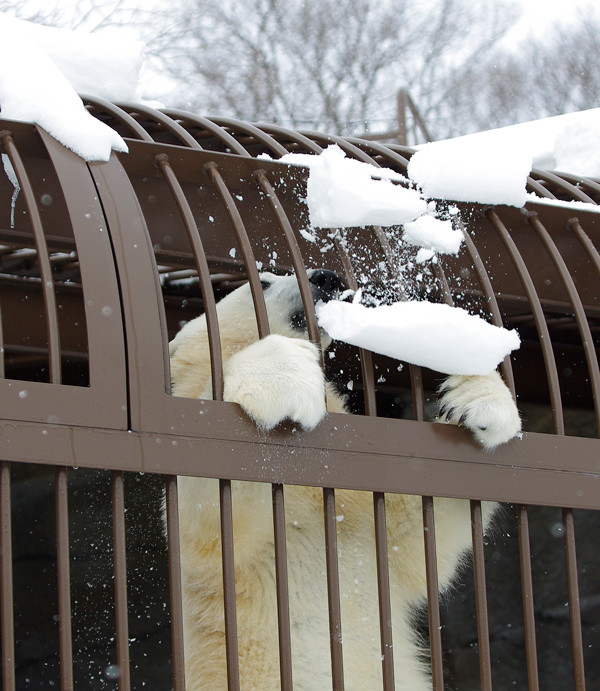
567, 143
34, 89
443, 338
577, 145
342, 193
464, 170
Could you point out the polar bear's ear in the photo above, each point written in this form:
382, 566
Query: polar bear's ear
266, 279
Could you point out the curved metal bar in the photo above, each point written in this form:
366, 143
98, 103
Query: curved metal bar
214, 341
578, 309
252, 131
591, 184
123, 116
584, 239
296, 255
208, 125
575, 191
292, 136
536, 186
42, 256
387, 152
344, 144
366, 357
488, 291
540, 321
260, 309
174, 127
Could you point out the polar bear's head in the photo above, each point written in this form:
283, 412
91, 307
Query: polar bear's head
237, 320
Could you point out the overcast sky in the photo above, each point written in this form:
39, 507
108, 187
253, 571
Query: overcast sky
538, 14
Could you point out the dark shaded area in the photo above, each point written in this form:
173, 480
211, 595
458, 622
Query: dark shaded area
92, 588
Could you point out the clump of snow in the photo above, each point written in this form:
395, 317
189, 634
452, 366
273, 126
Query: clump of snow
443, 338
106, 64
463, 170
425, 255
577, 146
568, 143
33, 89
341, 192
434, 234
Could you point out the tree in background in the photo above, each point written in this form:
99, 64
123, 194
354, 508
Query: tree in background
337, 65
332, 65
557, 72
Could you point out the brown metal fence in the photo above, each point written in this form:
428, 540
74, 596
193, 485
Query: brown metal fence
101, 263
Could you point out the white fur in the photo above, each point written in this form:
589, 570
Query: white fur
296, 389
482, 404
274, 379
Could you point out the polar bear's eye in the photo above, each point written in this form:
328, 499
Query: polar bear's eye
264, 284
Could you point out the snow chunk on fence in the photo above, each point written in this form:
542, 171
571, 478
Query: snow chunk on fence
472, 170
33, 89
341, 192
434, 234
443, 338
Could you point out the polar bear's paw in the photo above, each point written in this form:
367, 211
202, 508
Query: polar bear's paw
482, 404
275, 379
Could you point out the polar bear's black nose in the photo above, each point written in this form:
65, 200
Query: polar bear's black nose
326, 284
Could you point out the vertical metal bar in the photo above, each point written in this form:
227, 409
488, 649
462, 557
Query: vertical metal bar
574, 608
42, 256
418, 392
483, 630
540, 321
210, 310
381, 548
527, 594
175, 594
6, 582
64, 580
383, 589
333, 590
433, 600
231, 639
283, 602
120, 572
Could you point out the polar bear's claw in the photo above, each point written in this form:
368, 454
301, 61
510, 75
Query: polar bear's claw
482, 404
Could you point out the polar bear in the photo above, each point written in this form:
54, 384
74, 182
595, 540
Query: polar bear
276, 378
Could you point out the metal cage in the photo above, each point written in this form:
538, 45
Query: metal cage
100, 264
